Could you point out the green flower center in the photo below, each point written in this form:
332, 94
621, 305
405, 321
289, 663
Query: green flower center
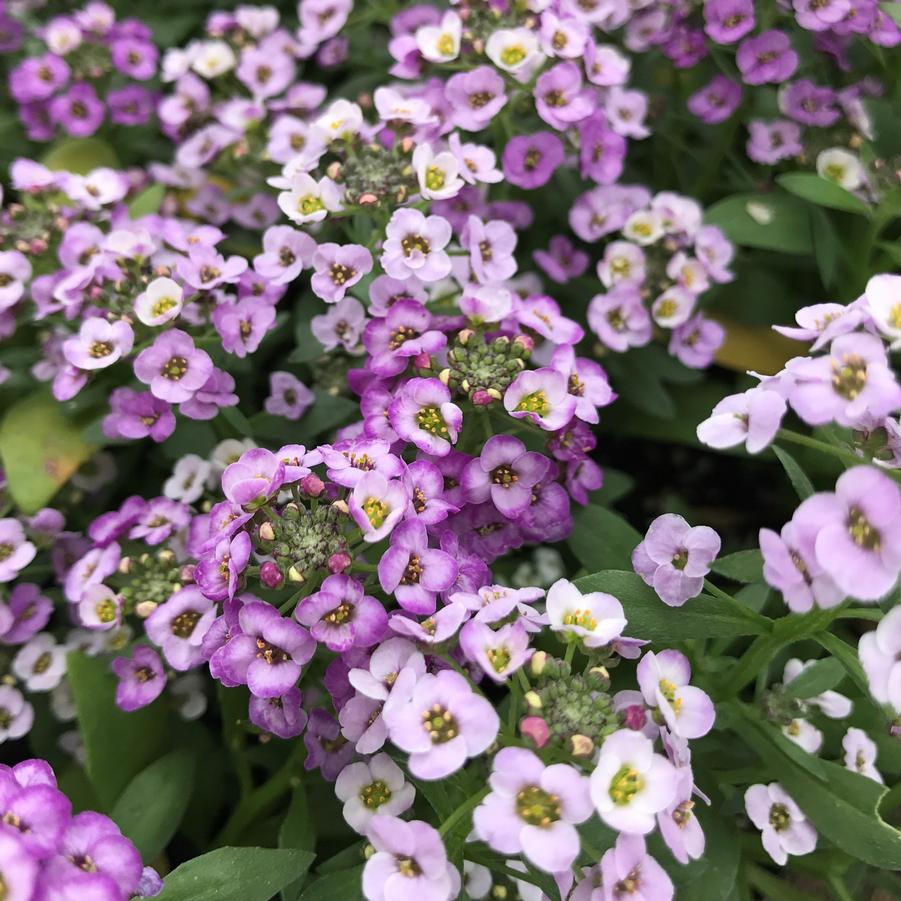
680, 559
375, 794
536, 402
435, 178
174, 368
440, 724
512, 55
499, 658
309, 204
537, 807
779, 817
429, 419
376, 511
627, 783
162, 306
106, 610
850, 376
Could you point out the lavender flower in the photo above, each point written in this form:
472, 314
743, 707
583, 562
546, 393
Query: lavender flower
784, 828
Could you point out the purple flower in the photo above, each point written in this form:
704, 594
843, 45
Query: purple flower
541, 396
595, 619
219, 571
673, 558
414, 246
25, 613
405, 331
663, 678
497, 653
696, 342
490, 246
560, 98
504, 472
376, 787
533, 810
377, 505
821, 15
475, 97
767, 58
267, 653
38, 78
342, 323
79, 111
341, 616
562, 261
880, 657
851, 383
179, 625
282, 716
243, 325
35, 812
173, 367
18, 867
252, 479
859, 541
138, 414
809, 103
727, 21
587, 382
15, 273
130, 105
716, 101
679, 827
141, 678
414, 572
338, 268
409, 863
16, 714
286, 251
426, 486
619, 318
785, 830
752, 419
627, 869
602, 151
771, 142
631, 784
134, 57
529, 161
327, 749
439, 720
423, 414
16, 552
289, 396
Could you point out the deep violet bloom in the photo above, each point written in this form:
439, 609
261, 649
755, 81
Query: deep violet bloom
504, 472
529, 161
141, 678
327, 750
727, 21
716, 101
282, 716
562, 261
341, 616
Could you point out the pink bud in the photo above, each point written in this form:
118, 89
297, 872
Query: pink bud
635, 717
525, 342
38, 245
270, 575
312, 485
338, 562
422, 361
186, 575
535, 728
481, 398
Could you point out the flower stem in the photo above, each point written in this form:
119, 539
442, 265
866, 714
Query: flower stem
740, 608
466, 807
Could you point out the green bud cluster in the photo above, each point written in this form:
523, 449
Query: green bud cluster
148, 577
781, 707
475, 364
379, 172
576, 705
304, 539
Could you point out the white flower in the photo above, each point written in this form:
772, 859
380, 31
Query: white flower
842, 167
860, 754
596, 618
392, 106
784, 827
623, 261
804, 734
225, 453
438, 174
308, 200
188, 479
630, 783
161, 302
40, 664
376, 787
883, 300
213, 58
341, 120
673, 307
62, 35
644, 227
440, 43
190, 698
514, 50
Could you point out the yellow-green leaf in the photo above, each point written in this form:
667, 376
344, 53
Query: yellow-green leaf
80, 155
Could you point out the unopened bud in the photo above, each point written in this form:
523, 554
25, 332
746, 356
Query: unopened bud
525, 342
295, 575
538, 662
368, 199
312, 485
422, 361
481, 398
270, 575
341, 506
581, 746
634, 717
444, 376
267, 533
406, 145
145, 608
536, 729
186, 573
166, 555
334, 170
464, 336
125, 566
38, 245
533, 699
339, 561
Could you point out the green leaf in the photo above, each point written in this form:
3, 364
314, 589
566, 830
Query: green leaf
821, 676
118, 745
327, 413
80, 155
616, 485
775, 221
650, 618
40, 450
147, 202
151, 807
236, 874
297, 831
810, 186
742, 566
345, 885
847, 656
802, 485
826, 245
602, 539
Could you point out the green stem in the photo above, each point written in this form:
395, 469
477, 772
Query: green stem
874, 614
740, 608
570, 652
839, 889
846, 456
465, 808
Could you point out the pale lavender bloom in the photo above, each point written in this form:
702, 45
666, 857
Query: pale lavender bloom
439, 721
94, 566
173, 367
475, 97
179, 625
627, 869
288, 397
785, 830
490, 245
860, 754
673, 558
542, 315
771, 142
16, 552
376, 787
99, 343
414, 246
696, 342
342, 323
562, 261
821, 323
141, 678
40, 664
533, 810
16, 714
437, 628
606, 65
405, 331
663, 679
338, 268
341, 616
25, 613
752, 419
425, 485
252, 479
631, 784
529, 161
560, 98
880, 657
377, 505
15, 273
477, 162
679, 827
409, 863
541, 396
286, 252
587, 382
715, 251
619, 318
422, 413
626, 111
505, 473
138, 414
594, 619
205, 269
497, 653
767, 58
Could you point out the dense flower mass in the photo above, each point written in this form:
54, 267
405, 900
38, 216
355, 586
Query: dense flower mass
403, 493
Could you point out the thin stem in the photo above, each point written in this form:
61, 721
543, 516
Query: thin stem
846, 456
838, 887
746, 612
874, 614
466, 807
570, 652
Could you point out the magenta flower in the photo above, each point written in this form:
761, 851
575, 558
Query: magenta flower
439, 721
504, 473
785, 830
38, 78
560, 98
138, 414
716, 101
663, 678
809, 103
289, 396
529, 161
173, 367
348, 461
767, 58
79, 111
405, 331
282, 716
243, 325
341, 616
252, 479
490, 246
727, 21
338, 268
178, 627
341, 324
541, 396
752, 419
602, 152
141, 678
696, 342
412, 571
533, 810
423, 414
409, 863
218, 571
475, 97
673, 558
414, 246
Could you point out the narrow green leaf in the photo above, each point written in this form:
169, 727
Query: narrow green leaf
847, 656
742, 566
802, 485
297, 831
602, 539
811, 187
344, 885
650, 618
236, 874
147, 202
821, 676
151, 807
118, 745
40, 450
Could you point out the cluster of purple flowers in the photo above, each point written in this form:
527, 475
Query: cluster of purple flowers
79, 70
50, 853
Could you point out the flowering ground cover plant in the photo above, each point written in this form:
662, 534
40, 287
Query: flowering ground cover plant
450, 450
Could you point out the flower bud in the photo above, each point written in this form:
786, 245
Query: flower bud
533, 699
295, 574
186, 574
536, 729
270, 575
368, 199
338, 562
538, 662
635, 717
312, 485
342, 506
481, 398
581, 746
145, 608
422, 361
267, 533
